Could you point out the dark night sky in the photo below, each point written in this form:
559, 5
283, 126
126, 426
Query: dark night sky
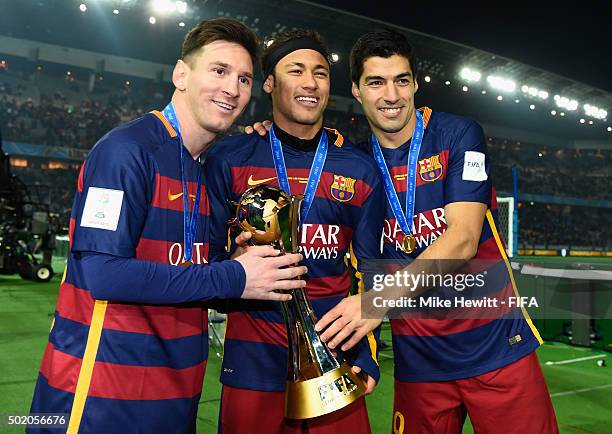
570, 38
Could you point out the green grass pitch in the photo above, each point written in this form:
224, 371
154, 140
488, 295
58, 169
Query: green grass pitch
581, 391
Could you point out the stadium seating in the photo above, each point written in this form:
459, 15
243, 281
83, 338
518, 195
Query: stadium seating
60, 111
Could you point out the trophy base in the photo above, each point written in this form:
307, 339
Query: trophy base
322, 395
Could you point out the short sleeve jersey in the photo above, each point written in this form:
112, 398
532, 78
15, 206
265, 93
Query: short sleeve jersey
453, 166
345, 216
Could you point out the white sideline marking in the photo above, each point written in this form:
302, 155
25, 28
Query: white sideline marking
565, 273
560, 347
573, 392
579, 359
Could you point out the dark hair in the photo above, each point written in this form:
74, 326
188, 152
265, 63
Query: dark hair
219, 29
288, 36
380, 43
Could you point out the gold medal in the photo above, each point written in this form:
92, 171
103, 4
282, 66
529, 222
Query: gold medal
186, 263
408, 244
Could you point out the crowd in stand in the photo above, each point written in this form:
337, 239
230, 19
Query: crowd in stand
55, 120
583, 173
550, 226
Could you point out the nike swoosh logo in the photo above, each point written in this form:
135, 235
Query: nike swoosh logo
173, 197
253, 182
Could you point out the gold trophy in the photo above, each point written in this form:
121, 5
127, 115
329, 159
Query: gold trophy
318, 383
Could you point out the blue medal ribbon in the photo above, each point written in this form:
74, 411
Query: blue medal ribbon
315, 170
190, 220
404, 220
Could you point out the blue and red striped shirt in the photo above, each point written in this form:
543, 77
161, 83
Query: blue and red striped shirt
346, 216
128, 348
434, 349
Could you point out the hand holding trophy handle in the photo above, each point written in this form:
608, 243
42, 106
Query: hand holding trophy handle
269, 275
318, 383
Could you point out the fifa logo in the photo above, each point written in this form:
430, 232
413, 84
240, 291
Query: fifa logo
337, 389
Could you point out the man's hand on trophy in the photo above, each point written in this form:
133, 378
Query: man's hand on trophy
344, 321
369, 381
261, 128
267, 272
242, 241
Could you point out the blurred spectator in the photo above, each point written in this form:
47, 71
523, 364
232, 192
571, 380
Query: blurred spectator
54, 188
55, 122
546, 226
551, 170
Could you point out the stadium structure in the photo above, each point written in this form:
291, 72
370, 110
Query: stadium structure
72, 70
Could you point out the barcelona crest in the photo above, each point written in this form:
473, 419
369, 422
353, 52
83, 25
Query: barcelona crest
430, 168
343, 188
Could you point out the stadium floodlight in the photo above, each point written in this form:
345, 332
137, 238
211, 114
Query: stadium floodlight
590, 122
427, 78
609, 129
165, 6
465, 88
553, 112
501, 83
447, 82
499, 97
181, 7
517, 101
534, 92
484, 92
83, 7
594, 112
469, 74
181, 24
582, 120
565, 102
532, 107
161, 6
116, 11
152, 20
335, 57
562, 113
